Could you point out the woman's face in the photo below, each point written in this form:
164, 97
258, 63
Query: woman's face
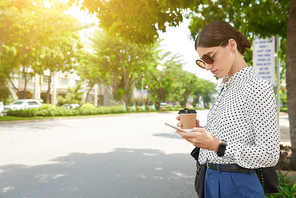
223, 59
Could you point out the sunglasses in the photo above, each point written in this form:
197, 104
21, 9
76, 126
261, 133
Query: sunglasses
207, 58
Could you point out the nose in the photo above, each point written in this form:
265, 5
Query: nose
208, 66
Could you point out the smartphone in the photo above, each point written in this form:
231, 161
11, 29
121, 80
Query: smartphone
175, 127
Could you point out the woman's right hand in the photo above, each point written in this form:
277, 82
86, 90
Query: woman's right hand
180, 125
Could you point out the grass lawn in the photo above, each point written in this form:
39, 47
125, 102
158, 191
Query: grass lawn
14, 118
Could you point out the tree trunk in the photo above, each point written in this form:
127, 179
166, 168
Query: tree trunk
26, 81
185, 95
87, 94
15, 89
48, 90
291, 77
129, 87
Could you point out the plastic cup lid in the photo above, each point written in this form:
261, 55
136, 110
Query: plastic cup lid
187, 111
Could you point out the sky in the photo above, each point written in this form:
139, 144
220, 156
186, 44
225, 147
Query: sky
175, 40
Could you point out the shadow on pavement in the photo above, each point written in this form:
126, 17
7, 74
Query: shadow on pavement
35, 126
123, 173
169, 135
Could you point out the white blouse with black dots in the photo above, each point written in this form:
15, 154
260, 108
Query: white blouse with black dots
244, 115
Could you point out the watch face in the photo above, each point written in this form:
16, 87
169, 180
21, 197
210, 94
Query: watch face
221, 148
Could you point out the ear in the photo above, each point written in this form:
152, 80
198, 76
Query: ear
232, 45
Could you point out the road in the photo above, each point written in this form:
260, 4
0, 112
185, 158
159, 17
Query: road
124, 156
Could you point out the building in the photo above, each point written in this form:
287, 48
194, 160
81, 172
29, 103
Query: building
37, 87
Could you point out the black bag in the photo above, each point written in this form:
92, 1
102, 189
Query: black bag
199, 180
268, 178
200, 174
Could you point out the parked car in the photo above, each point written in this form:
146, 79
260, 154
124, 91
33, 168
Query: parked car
163, 104
70, 106
23, 104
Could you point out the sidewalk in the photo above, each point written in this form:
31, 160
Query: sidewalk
284, 129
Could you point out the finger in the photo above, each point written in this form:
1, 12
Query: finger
191, 137
181, 132
179, 124
197, 129
178, 118
197, 123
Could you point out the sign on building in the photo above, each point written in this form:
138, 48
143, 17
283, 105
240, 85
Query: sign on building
263, 58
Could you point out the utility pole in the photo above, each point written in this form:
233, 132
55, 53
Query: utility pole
142, 89
278, 40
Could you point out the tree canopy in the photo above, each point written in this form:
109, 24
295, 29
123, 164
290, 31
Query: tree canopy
136, 21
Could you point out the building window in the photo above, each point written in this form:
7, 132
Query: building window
29, 77
64, 81
45, 79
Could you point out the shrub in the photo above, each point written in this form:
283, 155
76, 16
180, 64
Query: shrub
47, 106
169, 107
139, 108
87, 106
129, 108
178, 106
23, 112
284, 109
148, 108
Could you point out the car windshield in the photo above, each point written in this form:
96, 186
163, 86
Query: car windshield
18, 102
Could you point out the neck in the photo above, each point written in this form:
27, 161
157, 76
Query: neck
238, 64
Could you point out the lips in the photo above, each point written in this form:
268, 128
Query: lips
214, 71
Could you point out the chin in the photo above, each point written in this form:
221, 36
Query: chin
220, 76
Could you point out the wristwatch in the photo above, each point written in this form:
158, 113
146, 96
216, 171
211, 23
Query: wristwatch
221, 148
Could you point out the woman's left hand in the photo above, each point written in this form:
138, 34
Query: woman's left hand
201, 138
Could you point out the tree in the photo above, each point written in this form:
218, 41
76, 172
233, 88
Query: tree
162, 77
123, 62
91, 69
184, 85
60, 55
14, 15
28, 29
291, 76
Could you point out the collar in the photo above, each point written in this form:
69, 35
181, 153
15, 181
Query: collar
236, 77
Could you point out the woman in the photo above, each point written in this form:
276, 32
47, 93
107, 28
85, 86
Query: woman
241, 133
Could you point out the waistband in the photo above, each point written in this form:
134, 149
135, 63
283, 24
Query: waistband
229, 168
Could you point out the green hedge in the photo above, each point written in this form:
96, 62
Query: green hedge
284, 109
47, 106
23, 112
48, 110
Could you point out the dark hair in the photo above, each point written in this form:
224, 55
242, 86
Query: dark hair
218, 31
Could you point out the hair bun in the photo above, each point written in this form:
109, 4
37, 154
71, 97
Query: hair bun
244, 41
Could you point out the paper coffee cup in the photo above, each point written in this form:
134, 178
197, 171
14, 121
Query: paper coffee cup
187, 119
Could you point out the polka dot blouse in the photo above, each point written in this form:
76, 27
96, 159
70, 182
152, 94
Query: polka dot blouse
244, 115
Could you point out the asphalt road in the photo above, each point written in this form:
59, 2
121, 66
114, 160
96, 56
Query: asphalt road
125, 156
